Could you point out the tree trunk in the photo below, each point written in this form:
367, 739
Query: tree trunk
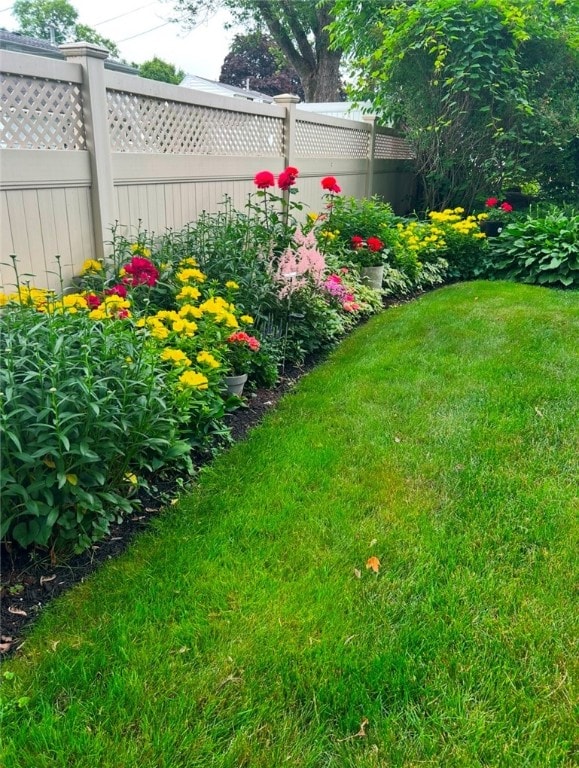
323, 82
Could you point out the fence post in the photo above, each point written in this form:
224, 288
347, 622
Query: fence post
371, 119
94, 105
289, 101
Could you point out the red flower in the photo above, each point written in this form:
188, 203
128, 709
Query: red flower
117, 290
507, 207
140, 271
357, 241
122, 314
292, 171
240, 337
92, 300
286, 180
330, 183
264, 179
374, 244
492, 202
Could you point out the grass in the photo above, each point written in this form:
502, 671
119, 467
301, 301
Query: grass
245, 630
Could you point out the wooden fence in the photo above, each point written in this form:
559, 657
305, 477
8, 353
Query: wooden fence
83, 147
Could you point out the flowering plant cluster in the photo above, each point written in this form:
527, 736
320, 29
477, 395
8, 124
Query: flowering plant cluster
240, 349
336, 288
497, 210
369, 252
286, 179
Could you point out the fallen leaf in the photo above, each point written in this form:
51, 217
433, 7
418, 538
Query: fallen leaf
54, 644
373, 563
396, 439
46, 579
373, 542
538, 412
357, 573
361, 733
16, 611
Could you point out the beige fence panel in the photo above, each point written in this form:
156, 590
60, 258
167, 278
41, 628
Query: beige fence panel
82, 147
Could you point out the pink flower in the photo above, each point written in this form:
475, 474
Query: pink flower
330, 184
334, 279
292, 171
92, 300
264, 179
507, 207
117, 290
374, 244
350, 306
492, 202
140, 271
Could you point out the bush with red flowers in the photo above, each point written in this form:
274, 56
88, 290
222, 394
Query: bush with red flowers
497, 210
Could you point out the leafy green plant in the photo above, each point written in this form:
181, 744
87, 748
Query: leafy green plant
542, 249
84, 410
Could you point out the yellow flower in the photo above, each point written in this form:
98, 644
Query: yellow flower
97, 314
175, 356
190, 274
141, 322
247, 319
4, 299
188, 310
91, 265
313, 216
140, 250
159, 332
193, 380
206, 358
131, 478
232, 285
167, 314
189, 292
188, 262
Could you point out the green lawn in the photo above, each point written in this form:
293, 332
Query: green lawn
244, 629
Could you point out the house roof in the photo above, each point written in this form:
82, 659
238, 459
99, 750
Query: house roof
14, 41
222, 89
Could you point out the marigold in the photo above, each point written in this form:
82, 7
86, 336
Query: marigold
232, 285
206, 358
188, 292
191, 274
175, 356
91, 265
247, 319
193, 380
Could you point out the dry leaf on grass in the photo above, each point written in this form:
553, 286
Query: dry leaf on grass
361, 733
16, 611
357, 573
373, 563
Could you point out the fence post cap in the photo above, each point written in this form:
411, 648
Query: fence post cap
71, 50
286, 98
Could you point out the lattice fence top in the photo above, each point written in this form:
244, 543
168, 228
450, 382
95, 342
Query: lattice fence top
315, 140
391, 148
37, 113
144, 124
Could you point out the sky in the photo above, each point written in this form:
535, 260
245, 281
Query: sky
141, 31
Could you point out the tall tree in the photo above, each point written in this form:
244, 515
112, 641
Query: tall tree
485, 91
254, 62
157, 69
299, 29
46, 19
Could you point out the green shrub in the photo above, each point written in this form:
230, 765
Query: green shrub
84, 409
541, 249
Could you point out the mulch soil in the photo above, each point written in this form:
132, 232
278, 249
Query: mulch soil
28, 581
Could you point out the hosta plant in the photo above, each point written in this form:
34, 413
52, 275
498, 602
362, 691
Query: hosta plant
542, 249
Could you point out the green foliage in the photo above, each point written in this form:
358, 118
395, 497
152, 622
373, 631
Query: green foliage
84, 406
300, 31
365, 217
474, 87
542, 249
157, 69
38, 18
